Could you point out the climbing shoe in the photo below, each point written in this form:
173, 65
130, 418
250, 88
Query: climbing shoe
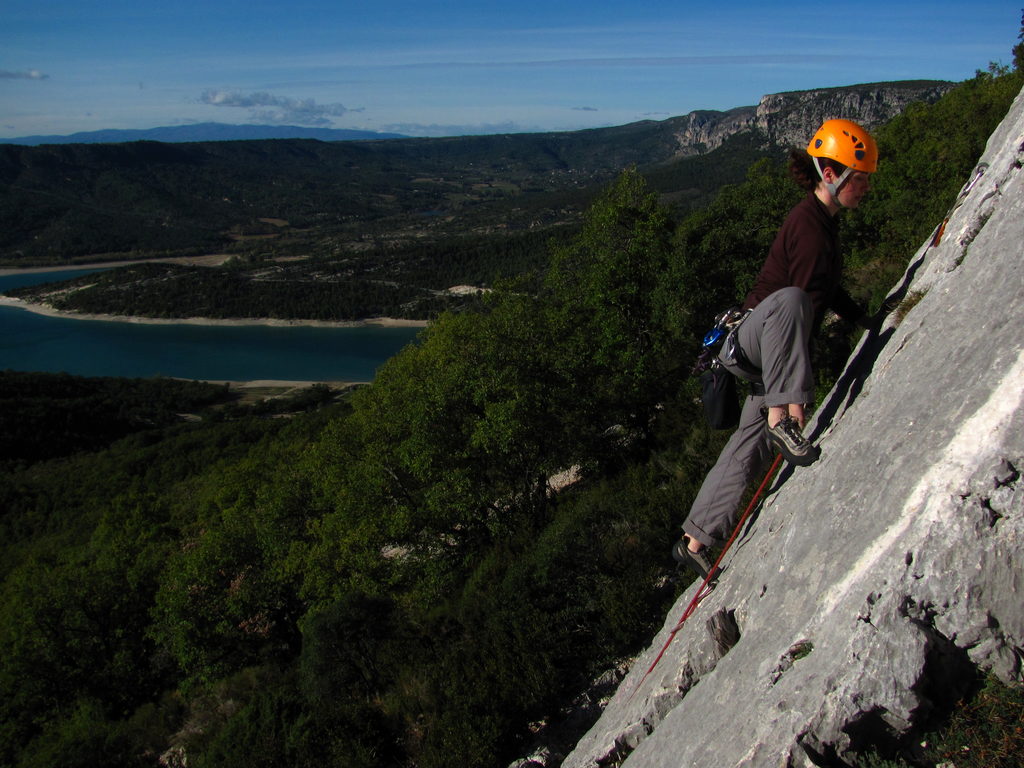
697, 562
788, 440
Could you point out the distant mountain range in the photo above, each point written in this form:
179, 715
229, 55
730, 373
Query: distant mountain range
203, 189
205, 132
784, 118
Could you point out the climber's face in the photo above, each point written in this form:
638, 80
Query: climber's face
853, 190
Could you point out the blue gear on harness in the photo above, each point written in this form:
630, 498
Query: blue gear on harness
718, 382
713, 336
725, 324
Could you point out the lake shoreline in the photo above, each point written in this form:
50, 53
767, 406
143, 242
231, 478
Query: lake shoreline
45, 309
255, 356
278, 387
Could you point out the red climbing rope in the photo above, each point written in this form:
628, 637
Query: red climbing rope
704, 590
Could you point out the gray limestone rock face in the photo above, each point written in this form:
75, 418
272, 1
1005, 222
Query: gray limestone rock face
873, 580
787, 119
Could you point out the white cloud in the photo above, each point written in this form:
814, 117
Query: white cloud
267, 107
31, 74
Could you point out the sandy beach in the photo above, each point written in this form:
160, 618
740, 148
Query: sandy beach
266, 388
210, 260
45, 309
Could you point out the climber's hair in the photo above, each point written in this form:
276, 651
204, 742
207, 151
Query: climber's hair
802, 171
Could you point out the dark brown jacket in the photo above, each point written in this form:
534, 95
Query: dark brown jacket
806, 254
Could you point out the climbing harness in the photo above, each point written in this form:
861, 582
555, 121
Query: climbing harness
717, 384
706, 586
725, 324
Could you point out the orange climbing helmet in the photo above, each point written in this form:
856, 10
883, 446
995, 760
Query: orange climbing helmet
845, 142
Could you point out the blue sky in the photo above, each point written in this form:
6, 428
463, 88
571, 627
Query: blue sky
455, 67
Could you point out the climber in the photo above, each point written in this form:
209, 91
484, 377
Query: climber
770, 348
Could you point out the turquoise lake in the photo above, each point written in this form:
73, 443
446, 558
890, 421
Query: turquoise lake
32, 342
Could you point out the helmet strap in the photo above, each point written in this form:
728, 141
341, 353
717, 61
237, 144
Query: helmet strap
833, 187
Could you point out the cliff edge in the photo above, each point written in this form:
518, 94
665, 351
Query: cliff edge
787, 119
872, 584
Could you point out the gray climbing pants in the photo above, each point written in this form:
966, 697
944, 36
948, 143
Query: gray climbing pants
774, 339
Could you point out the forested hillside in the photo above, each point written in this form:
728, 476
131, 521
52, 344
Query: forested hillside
395, 579
389, 241
350, 230
304, 197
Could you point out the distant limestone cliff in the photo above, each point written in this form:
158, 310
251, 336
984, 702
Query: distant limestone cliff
873, 584
787, 119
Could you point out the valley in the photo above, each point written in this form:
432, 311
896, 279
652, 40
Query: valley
307, 229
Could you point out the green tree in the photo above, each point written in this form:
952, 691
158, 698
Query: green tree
720, 249
1018, 49
451, 443
74, 628
602, 295
227, 599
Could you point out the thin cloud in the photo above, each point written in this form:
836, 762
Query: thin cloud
30, 74
633, 61
280, 110
585, 109
434, 129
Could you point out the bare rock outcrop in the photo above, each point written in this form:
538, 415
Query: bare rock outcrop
874, 582
788, 119
706, 130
